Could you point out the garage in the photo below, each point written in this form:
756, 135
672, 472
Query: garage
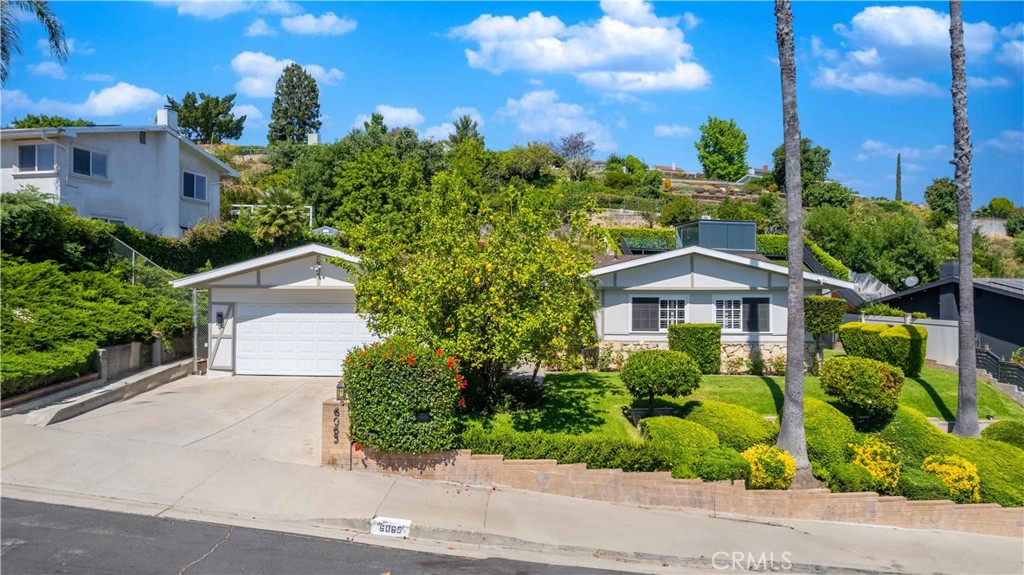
292, 313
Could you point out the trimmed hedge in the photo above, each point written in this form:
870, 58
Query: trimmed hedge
886, 310
391, 385
736, 426
903, 346
664, 238
701, 341
654, 372
851, 478
916, 484
829, 433
722, 464
27, 370
597, 452
1010, 432
868, 385
683, 441
778, 245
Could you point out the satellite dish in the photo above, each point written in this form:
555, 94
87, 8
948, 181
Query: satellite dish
911, 281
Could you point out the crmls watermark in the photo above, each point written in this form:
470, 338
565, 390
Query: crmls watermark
749, 561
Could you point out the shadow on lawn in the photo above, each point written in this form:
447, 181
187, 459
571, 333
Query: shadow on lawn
570, 407
940, 404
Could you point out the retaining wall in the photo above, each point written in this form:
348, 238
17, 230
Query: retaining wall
659, 488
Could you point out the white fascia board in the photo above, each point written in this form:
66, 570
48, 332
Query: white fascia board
201, 279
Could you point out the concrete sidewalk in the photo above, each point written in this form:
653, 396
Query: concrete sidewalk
60, 465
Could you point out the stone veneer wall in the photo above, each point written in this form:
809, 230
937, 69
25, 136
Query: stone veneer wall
730, 350
659, 488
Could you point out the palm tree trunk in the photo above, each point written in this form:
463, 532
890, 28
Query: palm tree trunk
791, 434
966, 424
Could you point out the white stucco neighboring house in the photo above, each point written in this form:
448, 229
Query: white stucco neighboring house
148, 177
638, 298
289, 313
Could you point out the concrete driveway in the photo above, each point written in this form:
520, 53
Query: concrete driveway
276, 418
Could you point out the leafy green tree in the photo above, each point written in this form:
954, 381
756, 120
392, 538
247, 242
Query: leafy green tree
375, 184
465, 129
575, 151
44, 121
736, 209
207, 119
1000, 207
822, 316
296, 110
828, 194
10, 40
532, 163
680, 210
899, 180
773, 208
1015, 224
493, 287
940, 196
722, 149
814, 164
279, 217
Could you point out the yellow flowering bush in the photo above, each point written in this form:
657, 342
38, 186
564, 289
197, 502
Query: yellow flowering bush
958, 475
770, 467
881, 460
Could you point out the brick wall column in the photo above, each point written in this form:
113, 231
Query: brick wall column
336, 444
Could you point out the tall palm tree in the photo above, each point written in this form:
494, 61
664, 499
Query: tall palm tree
10, 41
966, 424
278, 218
792, 437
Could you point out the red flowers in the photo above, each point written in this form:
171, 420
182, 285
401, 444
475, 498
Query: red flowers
462, 401
412, 359
357, 447
459, 380
440, 352
451, 363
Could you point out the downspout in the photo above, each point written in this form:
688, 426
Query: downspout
57, 165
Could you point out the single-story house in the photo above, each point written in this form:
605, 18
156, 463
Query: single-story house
640, 297
998, 306
289, 313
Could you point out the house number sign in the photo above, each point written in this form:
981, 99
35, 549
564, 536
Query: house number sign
390, 527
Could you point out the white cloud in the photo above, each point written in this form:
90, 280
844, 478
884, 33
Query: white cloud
98, 77
915, 27
394, 117
1012, 53
253, 116
74, 47
541, 114
818, 50
628, 49
214, 9
875, 83
440, 132
982, 83
327, 24
865, 57
474, 114
1008, 142
690, 21
672, 131
118, 99
876, 149
1013, 30
259, 27
49, 69
259, 73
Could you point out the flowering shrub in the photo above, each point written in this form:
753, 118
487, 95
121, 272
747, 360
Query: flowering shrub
403, 397
770, 467
958, 475
881, 460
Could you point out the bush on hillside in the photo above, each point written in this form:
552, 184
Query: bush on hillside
903, 346
770, 467
37, 230
778, 245
881, 460
596, 452
959, 476
653, 372
664, 238
27, 370
870, 386
683, 441
722, 464
1009, 432
736, 426
918, 485
403, 397
850, 478
829, 433
701, 341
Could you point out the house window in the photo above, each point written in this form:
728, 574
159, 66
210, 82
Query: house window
194, 186
89, 163
35, 158
656, 314
114, 221
670, 312
749, 314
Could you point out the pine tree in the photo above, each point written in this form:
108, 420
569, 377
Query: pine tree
899, 190
296, 110
207, 119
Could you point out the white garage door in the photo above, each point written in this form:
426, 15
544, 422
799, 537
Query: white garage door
296, 339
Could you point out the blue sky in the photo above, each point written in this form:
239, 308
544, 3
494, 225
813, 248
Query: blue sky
639, 78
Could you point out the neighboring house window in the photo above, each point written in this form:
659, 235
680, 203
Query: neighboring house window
35, 158
110, 220
655, 314
749, 314
194, 186
89, 163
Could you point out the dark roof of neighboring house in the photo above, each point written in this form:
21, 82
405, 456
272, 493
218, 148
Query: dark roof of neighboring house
610, 259
1012, 287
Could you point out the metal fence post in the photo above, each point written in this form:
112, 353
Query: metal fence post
195, 333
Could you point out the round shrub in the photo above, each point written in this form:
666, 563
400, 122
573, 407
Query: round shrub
736, 426
850, 478
682, 441
1011, 432
881, 460
654, 372
722, 464
403, 397
701, 341
770, 467
959, 476
918, 485
868, 385
829, 433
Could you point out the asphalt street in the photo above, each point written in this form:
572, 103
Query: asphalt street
43, 538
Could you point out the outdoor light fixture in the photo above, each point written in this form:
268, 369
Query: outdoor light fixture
220, 320
341, 391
